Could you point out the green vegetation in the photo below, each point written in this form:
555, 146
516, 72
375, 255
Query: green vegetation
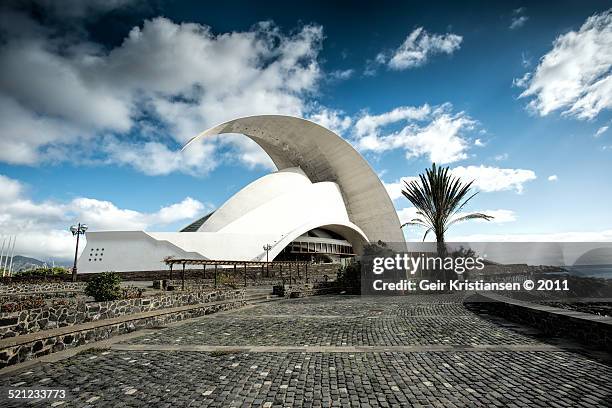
43, 272
349, 278
104, 287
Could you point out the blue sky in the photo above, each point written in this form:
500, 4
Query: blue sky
96, 100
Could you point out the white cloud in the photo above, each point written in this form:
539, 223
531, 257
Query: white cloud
61, 91
368, 124
418, 47
394, 189
435, 132
575, 76
342, 74
407, 214
41, 227
11, 189
479, 143
525, 60
494, 178
154, 158
601, 131
501, 157
518, 22
553, 177
333, 120
104, 215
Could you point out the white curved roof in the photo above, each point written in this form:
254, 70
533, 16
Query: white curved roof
323, 156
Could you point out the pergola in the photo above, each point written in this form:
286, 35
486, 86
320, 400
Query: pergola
235, 264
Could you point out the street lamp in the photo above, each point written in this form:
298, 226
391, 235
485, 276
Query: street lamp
77, 230
267, 248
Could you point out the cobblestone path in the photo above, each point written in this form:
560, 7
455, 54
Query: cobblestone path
333, 351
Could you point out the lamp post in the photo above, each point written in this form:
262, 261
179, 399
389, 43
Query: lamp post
77, 230
267, 248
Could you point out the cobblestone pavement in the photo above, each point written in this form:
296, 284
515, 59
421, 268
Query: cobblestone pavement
333, 376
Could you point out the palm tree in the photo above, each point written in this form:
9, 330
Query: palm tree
439, 197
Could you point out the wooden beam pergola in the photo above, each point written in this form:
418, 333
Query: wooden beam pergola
233, 265
180, 261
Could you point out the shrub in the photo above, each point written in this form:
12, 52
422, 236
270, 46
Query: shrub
104, 287
349, 278
43, 272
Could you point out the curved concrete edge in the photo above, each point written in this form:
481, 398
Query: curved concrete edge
323, 156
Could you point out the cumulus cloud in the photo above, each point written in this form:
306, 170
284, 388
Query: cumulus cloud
406, 214
61, 90
332, 119
41, 226
553, 177
394, 189
575, 76
154, 158
494, 178
418, 47
436, 132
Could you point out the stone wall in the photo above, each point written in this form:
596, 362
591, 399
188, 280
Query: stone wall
44, 346
42, 287
593, 330
52, 316
316, 273
306, 289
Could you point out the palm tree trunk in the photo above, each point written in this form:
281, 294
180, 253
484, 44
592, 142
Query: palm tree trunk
441, 250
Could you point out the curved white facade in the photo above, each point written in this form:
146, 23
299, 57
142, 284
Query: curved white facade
308, 192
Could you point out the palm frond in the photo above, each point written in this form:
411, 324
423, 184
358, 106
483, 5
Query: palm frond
472, 216
439, 197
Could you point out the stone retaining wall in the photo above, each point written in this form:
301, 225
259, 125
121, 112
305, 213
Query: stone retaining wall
316, 272
38, 348
306, 289
43, 287
52, 316
593, 330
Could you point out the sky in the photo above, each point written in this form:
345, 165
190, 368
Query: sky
97, 98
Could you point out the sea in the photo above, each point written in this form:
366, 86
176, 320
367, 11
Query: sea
592, 271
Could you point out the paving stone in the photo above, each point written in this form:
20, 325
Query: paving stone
457, 377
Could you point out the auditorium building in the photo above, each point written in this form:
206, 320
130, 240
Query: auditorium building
322, 205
